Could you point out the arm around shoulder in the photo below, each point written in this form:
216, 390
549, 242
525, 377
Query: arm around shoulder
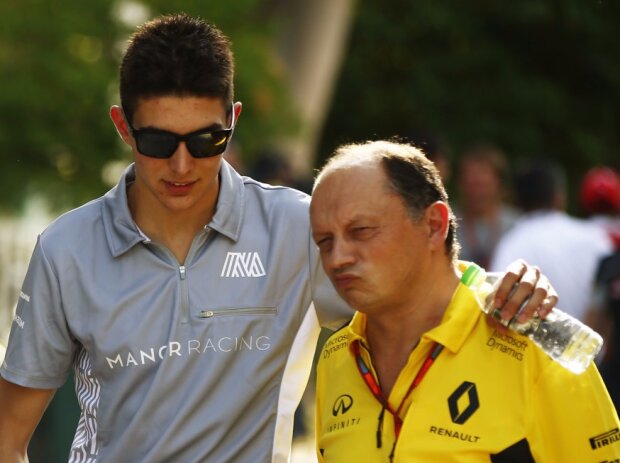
21, 409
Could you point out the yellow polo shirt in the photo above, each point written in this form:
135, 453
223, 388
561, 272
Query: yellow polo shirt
488, 397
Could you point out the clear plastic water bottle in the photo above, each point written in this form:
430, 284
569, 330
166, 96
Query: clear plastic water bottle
564, 338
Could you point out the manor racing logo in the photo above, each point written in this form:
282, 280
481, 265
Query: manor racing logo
224, 344
507, 345
242, 264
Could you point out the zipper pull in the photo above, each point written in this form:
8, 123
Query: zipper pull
182, 272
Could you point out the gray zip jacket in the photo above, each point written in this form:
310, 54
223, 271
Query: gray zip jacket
202, 362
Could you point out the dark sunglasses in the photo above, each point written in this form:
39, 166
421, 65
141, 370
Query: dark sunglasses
162, 144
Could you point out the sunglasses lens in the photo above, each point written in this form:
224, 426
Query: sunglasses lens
207, 144
156, 145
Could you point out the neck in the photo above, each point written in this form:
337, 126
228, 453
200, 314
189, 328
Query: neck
174, 229
393, 334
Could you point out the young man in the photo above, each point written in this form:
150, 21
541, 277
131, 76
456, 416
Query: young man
187, 300
418, 375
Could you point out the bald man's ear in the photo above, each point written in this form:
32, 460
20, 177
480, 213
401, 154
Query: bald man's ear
438, 219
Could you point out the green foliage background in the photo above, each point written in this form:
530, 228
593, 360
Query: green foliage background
58, 78
539, 79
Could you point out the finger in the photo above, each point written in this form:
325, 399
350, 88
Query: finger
514, 288
550, 301
496, 324
548, 304
518, 267
541, 301
520, 304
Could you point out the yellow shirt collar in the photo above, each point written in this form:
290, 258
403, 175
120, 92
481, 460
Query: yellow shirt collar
458, 321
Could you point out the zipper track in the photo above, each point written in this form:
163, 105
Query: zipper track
231, 311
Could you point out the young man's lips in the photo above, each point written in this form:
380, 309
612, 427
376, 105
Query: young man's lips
179, 187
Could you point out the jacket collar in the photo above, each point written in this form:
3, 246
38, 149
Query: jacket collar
122, 232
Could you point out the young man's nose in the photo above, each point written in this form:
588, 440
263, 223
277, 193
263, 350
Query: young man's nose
182, 160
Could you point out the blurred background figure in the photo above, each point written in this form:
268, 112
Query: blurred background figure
600, 199
604, 317
565, 248
234, 156
481, 209
273, 166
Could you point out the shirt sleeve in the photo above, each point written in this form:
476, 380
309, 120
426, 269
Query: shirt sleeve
40, 347
573, 418
332, 311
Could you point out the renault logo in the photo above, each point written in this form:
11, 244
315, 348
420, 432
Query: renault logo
342, 405
469, 406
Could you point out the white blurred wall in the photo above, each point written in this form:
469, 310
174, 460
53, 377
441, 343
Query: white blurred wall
18, 236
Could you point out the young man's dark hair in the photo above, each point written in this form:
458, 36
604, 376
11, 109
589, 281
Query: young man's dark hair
176, 55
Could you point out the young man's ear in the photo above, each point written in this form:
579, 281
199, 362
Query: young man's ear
237, 107
118, 118
438, 220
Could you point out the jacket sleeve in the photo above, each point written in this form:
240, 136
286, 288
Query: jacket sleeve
40, 348
573, 418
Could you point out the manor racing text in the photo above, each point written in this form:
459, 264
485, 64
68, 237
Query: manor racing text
191, 347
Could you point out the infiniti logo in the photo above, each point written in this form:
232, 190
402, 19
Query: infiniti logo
342, 405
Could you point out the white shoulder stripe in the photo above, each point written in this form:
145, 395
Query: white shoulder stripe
294, 380
88, 390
